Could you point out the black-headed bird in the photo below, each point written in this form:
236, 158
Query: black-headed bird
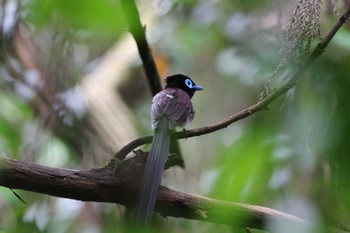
171, 107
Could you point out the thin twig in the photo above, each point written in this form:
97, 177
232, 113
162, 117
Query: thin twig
261, 105
138, 32
18, 196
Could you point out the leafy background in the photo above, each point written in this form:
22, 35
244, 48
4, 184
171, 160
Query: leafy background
293, 157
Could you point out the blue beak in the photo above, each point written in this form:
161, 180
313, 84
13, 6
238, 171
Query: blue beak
197, 87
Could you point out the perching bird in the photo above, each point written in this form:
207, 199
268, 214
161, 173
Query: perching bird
171, 107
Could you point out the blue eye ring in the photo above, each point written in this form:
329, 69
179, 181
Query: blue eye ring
189, 83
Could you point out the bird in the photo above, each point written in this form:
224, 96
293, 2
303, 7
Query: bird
171, 107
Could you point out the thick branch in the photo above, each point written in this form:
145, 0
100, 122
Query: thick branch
138, 33
114, 184
261, 105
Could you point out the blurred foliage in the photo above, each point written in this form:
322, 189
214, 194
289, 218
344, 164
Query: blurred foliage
99, 16
245, 168
13, 116
295, 157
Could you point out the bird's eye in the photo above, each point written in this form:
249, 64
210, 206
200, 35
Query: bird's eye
189, 83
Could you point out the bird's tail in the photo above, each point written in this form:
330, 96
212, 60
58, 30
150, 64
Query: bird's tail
153, 173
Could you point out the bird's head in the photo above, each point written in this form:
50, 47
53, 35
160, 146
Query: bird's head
183, 82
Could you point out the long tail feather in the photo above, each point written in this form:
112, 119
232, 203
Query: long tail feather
153, 173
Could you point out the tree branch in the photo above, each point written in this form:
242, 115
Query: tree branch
152, 75
261, 105
113, 184
138, 32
